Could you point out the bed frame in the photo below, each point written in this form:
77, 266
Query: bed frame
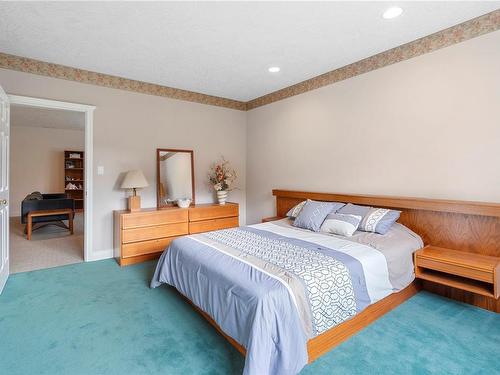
468, 226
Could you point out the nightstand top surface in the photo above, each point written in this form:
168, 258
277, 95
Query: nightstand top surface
271, 218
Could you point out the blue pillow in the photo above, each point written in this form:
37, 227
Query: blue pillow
354, 209
314, 213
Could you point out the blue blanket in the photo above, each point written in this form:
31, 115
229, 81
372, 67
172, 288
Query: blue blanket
269, 292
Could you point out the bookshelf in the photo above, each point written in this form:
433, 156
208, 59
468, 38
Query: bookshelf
74, 177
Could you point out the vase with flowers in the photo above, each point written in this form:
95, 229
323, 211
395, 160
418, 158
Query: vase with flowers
222, 177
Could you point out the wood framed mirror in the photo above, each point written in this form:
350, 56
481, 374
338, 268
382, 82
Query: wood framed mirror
174, 176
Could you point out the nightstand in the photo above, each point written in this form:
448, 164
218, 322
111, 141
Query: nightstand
272, 218
472, 272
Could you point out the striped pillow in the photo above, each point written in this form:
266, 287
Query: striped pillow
295, 210
379, 220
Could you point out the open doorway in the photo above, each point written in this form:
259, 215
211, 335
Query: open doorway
47, 187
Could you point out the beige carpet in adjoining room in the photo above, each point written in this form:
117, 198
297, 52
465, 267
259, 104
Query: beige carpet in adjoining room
50, 246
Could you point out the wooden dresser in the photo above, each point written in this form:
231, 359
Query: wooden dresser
144, 234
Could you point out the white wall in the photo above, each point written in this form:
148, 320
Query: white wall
425, 127
37, 160
129, 127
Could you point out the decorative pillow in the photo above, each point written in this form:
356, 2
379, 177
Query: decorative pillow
313, 214
35, 196
295, 210
354, 209
342, 224
379, 220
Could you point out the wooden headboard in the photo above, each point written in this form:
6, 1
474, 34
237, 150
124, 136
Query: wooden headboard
467, 226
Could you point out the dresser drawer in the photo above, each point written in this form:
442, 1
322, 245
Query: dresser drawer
213, 212
145, 247
455, 269
215, 224
151, 218
150, 233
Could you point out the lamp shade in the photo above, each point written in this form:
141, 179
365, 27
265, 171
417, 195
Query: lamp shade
134, 179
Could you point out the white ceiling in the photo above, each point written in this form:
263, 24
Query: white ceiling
46, 118
221, 48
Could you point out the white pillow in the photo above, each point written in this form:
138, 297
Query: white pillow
342, 224
295, 210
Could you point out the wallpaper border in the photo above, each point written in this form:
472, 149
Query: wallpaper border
467, 30
27, 65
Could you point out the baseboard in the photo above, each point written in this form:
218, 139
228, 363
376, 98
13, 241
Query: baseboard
100, 255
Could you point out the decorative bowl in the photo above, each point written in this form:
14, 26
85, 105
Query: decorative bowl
183, 203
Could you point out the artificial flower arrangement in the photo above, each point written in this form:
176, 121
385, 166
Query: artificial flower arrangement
221, 175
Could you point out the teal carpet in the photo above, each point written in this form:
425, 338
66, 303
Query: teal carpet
98, 318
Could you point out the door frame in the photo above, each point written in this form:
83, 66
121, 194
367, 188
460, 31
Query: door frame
88, 110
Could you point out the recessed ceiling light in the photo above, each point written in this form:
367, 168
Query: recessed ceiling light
392, 12
274, 69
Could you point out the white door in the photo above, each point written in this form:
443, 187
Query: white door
4, 188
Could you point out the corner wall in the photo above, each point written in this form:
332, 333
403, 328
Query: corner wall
425, 127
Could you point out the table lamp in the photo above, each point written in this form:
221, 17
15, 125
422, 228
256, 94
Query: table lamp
134, 180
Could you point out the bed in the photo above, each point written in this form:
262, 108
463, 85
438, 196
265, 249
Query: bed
254, 305
278, 292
